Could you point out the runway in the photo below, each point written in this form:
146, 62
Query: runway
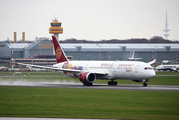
95, 86
71, 84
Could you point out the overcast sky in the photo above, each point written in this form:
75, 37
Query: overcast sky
89, 19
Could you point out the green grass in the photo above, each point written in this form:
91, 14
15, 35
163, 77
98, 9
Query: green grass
167, 73
88, 103
164, 80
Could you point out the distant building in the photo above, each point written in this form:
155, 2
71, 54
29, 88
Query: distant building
44, 46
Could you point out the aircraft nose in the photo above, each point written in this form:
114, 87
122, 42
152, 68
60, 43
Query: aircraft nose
152, 74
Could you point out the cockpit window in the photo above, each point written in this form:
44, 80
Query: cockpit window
148, 68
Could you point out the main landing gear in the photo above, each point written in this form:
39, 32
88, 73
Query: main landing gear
144, 84
112, 83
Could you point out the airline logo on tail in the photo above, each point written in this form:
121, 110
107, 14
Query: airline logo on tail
60, 55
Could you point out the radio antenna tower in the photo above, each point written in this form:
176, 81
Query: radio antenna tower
166, 28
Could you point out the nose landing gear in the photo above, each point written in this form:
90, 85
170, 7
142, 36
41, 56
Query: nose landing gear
144, 84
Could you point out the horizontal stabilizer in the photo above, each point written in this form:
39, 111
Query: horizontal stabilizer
152, 62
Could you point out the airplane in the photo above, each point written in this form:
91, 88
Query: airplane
132, 58
2, 68
89, 71
168, 61
168, 67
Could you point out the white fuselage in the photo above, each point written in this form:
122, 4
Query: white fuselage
132, 70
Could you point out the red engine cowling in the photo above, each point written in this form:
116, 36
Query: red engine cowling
87, 77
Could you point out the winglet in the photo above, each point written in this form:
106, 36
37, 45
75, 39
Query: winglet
60, 55
152, 62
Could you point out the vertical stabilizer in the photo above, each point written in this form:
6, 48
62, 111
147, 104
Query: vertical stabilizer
133, 54
60, 55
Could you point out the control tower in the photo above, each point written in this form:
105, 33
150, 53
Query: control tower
55, 28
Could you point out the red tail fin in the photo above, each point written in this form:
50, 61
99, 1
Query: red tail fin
60, 55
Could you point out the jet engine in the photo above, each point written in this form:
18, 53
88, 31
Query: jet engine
87, 78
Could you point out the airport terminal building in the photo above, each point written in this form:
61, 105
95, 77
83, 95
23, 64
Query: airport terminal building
44, 47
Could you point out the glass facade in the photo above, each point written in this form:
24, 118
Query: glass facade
56, 30
55, 24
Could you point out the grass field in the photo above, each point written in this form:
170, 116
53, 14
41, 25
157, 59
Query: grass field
88, 103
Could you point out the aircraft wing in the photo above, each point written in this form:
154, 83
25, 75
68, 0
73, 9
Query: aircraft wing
61, 69
52, 68
137, 58
152, 62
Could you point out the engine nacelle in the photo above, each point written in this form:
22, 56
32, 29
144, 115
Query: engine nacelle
87, 77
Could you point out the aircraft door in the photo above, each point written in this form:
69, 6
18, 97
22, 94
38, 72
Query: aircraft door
115, 71
87, 66
137, 72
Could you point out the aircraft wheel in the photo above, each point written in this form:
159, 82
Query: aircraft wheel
115, 83
144, 84
112, 83
109, 83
